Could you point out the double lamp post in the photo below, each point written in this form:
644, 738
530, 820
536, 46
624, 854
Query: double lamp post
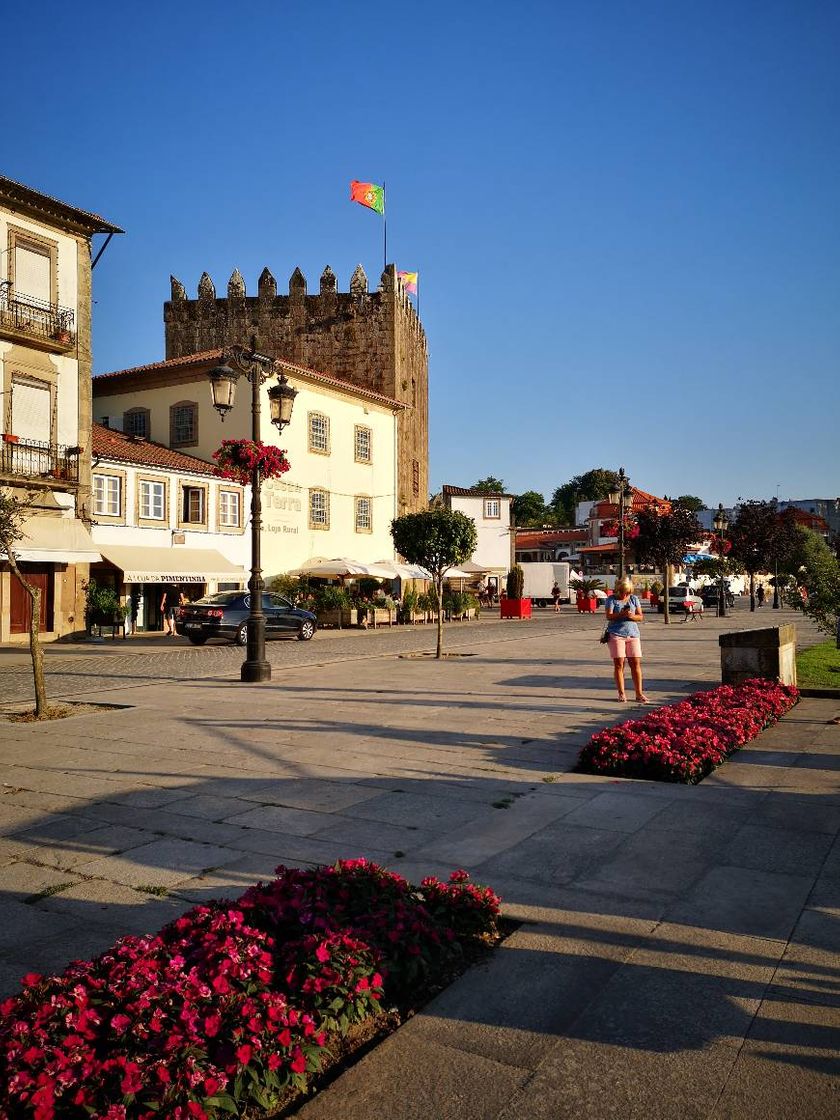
619, 497
721, 524
281, 398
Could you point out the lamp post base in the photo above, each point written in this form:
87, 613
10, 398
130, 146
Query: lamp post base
254, 672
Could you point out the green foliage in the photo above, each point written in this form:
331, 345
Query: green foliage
529, 510
489, 485
592, 486
331, 598
690, 502
515, 582
663, 538
657, 588
586, 586
819, 666
102, 604
296, 589
426, 602
818, 575
436, 539
762, 537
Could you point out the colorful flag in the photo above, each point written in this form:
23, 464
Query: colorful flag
368, 194
409, 281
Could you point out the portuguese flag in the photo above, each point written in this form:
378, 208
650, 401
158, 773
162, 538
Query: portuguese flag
368, 194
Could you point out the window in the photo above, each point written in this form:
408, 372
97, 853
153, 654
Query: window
107, 495
319, 509
319, 433
136, 422
152, 500
362, 444
193, 505
230, 506
364, 522
492, 508
32, 408
415, 478
183, 424
34, 267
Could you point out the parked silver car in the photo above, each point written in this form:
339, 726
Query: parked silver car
681, 599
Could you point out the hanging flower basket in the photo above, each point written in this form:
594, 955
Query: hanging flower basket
237, 458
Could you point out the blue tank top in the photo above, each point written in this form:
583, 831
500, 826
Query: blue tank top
623, 628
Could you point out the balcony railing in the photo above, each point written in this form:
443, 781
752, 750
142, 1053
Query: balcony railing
32, 460
33, 318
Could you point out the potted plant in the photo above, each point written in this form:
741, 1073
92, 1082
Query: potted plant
9, 438
514, 605
645, 592
332, 605
656, 589
408, 606
587, 602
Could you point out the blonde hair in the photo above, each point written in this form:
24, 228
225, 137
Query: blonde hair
625, 585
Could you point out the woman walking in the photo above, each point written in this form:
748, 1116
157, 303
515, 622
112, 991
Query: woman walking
624, 613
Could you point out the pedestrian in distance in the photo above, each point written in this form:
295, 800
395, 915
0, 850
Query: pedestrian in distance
760, 595
169, 603
555, 595
624, 613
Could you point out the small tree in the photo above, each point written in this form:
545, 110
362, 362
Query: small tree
762, 538
13, 513
817, 575
529, 510
664, 538
437, 539
489, 485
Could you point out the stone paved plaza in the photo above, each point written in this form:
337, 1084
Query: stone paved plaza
677, 953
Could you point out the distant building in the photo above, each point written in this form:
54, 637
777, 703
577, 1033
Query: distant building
492, 516
45, 374
826, 508
550, 545
601, 553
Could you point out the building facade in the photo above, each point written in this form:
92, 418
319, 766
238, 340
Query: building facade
492, 516
373, 340
45, 375
339, 497
161, 517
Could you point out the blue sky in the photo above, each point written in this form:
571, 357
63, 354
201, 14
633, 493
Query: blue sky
625, 216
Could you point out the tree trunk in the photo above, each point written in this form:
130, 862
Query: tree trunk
35, 649
439, 594
667, 585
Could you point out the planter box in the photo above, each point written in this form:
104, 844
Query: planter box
9, 438
587, 604
515, 608
375, 616
337, 617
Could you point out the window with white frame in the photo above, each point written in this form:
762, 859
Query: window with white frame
362, 444
364, 522
319, 509
107, 495
193, 505
319, 433
492, 508
152, 500
230, 507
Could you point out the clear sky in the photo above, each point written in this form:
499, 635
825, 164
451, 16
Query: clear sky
626, 216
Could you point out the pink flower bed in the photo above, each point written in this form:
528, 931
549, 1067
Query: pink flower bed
684, 742
231, 1006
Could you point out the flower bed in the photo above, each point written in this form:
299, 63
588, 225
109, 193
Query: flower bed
231, 1007
684, 742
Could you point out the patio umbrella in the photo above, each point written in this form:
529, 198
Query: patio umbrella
342, 567
404, 571
599, 594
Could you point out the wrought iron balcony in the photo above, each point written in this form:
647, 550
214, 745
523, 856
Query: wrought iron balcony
51, 463
25, 318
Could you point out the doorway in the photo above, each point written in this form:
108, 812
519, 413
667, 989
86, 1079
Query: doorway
20, 605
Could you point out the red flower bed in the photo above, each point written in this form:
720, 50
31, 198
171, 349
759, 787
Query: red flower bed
232, 1005
684, 742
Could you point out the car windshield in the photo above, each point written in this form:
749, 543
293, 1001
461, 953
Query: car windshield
678, 592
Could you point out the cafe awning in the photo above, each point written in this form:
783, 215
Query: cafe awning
140, 564
55, 540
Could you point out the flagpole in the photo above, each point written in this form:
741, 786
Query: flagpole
384, 227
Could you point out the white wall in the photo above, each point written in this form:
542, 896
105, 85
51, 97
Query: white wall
493, 550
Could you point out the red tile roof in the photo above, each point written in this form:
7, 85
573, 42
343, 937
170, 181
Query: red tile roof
205, 357
467, 492
640, 500
533, 538
109, 444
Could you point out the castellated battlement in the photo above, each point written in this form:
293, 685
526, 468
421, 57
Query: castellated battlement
370, 338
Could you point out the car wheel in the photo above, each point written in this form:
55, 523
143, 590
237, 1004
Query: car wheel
197, 639
306, 631
241, 638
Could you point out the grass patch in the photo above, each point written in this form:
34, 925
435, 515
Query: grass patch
47, 892
152, 888
819, 666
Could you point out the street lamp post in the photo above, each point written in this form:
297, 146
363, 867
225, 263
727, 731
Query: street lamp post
721, 524
619, 497
281, 398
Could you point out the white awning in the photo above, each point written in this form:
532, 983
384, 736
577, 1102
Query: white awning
55, 540
140, 564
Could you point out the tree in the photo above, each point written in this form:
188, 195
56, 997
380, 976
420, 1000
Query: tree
489, 485
762, 538
692, 502
437, 539
529, 509
817, 575
664, 538
593, 486
13, 514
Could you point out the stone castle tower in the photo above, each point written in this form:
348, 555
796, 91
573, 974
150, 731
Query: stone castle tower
372, 339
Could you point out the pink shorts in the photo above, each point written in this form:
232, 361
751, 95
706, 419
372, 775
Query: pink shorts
625, 647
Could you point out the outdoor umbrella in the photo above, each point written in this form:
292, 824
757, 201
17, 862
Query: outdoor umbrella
342, 567
404, 571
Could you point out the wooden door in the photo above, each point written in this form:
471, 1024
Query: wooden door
41, 575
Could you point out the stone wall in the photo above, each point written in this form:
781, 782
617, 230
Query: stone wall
371, 339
